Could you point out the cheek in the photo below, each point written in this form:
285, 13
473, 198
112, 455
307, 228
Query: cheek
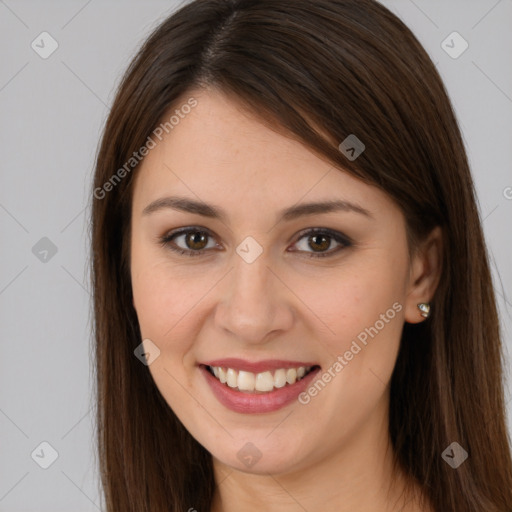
362, 309
163, 298
365, 311
354, 299
165, 304
166, 312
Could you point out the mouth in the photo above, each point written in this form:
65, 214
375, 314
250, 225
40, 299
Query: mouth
261, 387
259, 383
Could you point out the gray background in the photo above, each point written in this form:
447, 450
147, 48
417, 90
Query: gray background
52, 111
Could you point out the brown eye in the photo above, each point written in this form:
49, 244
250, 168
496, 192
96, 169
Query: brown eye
189, 241
196, 240
315, 242
319, 242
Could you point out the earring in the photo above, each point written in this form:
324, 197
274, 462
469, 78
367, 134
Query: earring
424, 308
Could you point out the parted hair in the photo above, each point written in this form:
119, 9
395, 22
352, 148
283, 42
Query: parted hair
319, 70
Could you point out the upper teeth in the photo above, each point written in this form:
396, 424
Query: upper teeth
265, 381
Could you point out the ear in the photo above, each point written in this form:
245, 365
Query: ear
424, 276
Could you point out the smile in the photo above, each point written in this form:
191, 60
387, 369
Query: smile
262, 387
263, 382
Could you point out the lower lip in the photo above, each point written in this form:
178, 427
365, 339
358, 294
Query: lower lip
251, 403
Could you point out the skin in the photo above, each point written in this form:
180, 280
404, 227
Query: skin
284, 305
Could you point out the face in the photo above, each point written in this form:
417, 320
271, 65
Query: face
301, 312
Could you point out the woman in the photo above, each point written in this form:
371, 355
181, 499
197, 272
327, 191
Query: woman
333, 342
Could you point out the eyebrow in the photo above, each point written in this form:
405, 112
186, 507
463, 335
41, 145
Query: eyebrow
214, 212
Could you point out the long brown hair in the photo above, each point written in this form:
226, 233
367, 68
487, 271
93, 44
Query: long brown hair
320, 70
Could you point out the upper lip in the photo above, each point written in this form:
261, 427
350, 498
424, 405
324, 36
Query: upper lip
257, 366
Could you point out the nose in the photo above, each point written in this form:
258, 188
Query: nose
255, 304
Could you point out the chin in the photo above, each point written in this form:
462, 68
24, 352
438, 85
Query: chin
261, 456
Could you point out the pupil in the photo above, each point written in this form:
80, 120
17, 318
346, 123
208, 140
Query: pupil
324, 245
197, 238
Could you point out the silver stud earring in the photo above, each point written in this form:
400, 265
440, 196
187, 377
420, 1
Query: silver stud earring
424, 308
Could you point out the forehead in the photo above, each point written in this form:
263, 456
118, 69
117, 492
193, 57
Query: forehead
220, 152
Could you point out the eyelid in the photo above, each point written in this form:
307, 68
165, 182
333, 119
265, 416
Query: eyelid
166, 240
337, 236
342, 239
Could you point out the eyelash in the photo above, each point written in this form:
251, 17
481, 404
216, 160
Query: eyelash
342, 239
